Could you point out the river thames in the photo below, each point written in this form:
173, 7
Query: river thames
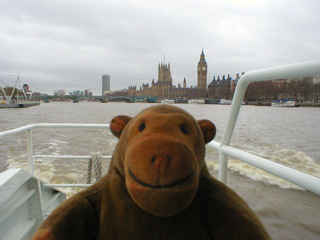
289, 136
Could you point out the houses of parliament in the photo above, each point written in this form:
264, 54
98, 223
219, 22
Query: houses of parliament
222, 88
164, 89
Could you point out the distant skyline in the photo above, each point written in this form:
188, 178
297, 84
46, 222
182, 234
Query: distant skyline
70, 44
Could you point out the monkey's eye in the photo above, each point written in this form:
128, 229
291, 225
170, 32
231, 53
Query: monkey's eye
184, 129
142, 126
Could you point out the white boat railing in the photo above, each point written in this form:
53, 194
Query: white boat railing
225, 150
28, 129
300, 70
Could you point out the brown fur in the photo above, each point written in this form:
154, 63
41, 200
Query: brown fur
157, 187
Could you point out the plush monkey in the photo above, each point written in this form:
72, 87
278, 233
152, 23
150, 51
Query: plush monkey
157, 187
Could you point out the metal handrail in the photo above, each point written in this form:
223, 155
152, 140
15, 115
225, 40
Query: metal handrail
225, 150
291, 175
299, 70
28, 129
301, 179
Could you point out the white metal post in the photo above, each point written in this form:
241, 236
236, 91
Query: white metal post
223, 167
234, 112
30, 150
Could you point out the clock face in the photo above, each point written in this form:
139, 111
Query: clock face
203, 68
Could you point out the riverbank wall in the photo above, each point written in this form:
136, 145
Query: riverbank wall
298, 104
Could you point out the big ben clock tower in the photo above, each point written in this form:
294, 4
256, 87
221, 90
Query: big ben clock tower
202, 75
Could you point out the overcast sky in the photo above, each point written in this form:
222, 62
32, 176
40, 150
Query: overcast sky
70, 44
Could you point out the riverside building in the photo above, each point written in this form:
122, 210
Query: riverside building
164, 89
105, 83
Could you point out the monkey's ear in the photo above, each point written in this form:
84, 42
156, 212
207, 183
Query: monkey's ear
118, 123
208, 129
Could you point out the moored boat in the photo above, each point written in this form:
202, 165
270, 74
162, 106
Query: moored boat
18, 104
225, 101
283, 103
197, 101
17, 98
167, 101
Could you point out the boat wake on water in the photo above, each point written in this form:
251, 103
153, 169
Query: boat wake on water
57, 171
273, 152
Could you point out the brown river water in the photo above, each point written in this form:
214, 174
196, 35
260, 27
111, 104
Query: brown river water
289, 136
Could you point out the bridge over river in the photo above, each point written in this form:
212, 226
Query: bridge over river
131, 99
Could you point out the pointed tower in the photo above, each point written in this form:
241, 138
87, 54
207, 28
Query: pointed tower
202, 72
164, 82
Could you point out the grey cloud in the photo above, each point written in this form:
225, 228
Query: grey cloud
71, 44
